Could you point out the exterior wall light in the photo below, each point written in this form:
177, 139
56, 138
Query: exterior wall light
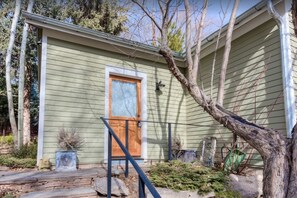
159, 86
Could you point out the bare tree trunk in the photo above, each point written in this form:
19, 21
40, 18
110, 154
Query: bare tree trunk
269, 143
26, 114
221, 88
8, 70
294, 15
23, 120
292, 192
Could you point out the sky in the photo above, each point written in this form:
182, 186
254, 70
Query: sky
140, 26
215, 11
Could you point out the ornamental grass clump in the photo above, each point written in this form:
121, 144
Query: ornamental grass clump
69, 139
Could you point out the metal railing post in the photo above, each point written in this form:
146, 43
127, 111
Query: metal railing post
127, 147
143, 180
169, 142
141, 188
109, 165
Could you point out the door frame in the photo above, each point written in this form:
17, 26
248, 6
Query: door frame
134, 74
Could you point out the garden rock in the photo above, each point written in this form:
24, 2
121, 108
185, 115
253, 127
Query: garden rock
118, 187
249, 186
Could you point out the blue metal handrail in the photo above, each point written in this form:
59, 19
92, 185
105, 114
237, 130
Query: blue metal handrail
143, 180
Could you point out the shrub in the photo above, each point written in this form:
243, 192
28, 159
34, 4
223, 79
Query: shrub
7, 160
6, 139
178, 176
6, 193
69, 139
228, 194
26, 151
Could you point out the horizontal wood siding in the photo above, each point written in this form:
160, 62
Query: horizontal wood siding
293, 41
253, 87
75, 98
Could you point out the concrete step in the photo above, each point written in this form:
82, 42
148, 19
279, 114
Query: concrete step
65, 193
34, 181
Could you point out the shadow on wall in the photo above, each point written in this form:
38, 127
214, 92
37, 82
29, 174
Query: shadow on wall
253, 83
163, 109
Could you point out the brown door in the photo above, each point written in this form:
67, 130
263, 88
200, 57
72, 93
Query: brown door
124, 104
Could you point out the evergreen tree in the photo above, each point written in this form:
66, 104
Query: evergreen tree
101, 15
175, 38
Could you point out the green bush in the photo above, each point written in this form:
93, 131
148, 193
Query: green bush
6, 193
25, 151
178, 176
6, 139
7, 160
228, 194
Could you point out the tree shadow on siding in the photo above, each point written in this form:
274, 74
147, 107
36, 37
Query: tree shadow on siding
248, 77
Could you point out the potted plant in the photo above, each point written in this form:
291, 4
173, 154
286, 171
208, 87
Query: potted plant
69, 142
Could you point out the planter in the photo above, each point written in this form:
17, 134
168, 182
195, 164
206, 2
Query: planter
66, 161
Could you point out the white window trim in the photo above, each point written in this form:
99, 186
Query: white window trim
109, 70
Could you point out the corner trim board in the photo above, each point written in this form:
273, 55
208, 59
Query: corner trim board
42, 98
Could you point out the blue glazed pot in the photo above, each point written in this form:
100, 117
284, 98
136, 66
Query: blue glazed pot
66, 161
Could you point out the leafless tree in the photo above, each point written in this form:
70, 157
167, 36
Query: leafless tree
278, 153
24, 113
8, 69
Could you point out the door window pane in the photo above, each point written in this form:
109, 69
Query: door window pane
124, 99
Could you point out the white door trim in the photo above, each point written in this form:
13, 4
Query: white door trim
109, 70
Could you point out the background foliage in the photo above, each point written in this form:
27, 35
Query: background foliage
101, 15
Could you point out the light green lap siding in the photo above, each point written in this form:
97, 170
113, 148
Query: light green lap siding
293, 41
253, 86
75, 98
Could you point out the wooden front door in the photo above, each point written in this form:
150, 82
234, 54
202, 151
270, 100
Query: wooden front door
124, 104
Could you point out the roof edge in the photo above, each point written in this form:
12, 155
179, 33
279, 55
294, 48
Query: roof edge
44, 22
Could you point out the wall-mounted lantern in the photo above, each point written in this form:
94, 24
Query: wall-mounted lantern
159, 86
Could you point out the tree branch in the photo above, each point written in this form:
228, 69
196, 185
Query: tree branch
216, 49
175, 10
161, 7
189, 59
148, 14
199, 40
221, 88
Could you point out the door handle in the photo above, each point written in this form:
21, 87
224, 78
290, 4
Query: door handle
139, 124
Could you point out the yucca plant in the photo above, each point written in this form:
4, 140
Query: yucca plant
69, 139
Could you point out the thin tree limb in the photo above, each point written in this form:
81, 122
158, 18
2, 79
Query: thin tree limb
221, 88
161, 7
189, 59
173, 13
199, 40
216, 49
148, 14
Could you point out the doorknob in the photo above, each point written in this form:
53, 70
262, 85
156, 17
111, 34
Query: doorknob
139, 124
